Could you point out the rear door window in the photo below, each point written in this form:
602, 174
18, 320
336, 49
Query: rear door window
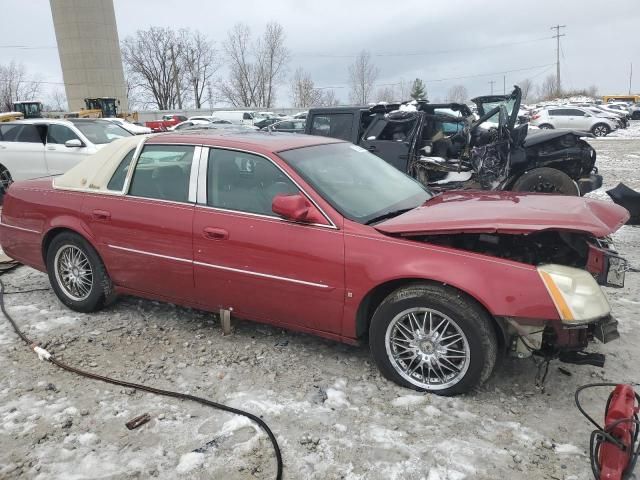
29, 134
9, 132
163, 173
335, 125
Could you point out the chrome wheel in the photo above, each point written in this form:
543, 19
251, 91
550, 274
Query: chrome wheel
73, 272
600, 131
427, 348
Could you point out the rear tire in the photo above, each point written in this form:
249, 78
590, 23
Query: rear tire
546, 126
77, 275
431, 338
600, 130
546, 180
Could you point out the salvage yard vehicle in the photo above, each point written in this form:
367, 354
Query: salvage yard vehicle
445, 148
167, 121
576, 118
41, 147
290, 230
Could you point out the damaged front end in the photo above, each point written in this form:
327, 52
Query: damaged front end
572, 266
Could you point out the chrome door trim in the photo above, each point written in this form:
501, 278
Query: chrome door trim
132, 166
201, 197
18, 228
151, 254
193, 174
262, 275
221, 267
267, 217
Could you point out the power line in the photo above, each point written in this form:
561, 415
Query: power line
412, 54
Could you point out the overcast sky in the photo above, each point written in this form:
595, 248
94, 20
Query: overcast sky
412, 38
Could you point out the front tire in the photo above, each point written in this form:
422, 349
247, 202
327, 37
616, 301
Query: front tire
600, 130
76, 273
5, 180
546, 180
430, 338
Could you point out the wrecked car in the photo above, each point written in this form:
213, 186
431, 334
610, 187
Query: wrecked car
445, 147
290, 230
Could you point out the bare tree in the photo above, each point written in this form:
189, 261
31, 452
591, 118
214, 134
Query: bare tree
57, 101
547, 89
153, 62
457, 94
200, 62
592, 91
329, 99
303, 91
255, 69
386, 94
16, 84
362, 75
272, 59
526, 85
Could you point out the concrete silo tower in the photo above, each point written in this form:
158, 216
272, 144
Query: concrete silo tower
89, 51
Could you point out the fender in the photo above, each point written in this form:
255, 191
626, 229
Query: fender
518, 294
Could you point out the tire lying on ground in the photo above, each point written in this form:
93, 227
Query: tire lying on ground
546, 180
432, 338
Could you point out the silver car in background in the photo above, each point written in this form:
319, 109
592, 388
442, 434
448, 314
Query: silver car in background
575, 118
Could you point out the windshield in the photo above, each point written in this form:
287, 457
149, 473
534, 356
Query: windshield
102, 132
355, 182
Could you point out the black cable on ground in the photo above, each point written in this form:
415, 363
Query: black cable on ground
44, 355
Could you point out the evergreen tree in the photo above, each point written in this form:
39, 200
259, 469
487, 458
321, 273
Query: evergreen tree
418, 91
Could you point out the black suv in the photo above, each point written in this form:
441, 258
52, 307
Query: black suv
445, 147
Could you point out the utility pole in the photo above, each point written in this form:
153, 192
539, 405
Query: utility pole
491, 82
504, 84
175, 77
557, 37
630, 76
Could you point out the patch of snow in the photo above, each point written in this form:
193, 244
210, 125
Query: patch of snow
409, 400
568, 449
190, 461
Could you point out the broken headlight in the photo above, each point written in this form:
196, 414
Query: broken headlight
575, 293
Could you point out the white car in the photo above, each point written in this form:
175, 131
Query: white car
131, 127
575, 118
189, 123
40, 147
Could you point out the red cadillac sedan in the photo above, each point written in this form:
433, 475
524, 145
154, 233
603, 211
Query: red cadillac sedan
319, 235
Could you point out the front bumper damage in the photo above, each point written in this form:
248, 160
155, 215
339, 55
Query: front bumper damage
555, 339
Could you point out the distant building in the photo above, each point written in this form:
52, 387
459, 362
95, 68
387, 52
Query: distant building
89, 50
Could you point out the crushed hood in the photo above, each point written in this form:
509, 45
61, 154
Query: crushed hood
506, 212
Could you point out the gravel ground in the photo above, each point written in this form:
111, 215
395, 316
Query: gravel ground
333, 414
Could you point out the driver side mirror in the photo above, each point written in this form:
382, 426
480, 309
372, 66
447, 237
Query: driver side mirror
296, 208
73, 143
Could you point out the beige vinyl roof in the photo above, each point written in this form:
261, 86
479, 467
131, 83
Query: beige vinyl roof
95, 171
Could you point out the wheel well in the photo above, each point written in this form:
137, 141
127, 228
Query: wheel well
375, 297
49, 236
546, 125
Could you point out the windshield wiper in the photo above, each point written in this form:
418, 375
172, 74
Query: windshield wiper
384, 216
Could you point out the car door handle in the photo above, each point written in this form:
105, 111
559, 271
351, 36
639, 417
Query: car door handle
100, 215
51, 148
2, 147
213, 233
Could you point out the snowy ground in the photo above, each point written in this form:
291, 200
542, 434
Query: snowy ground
333, 414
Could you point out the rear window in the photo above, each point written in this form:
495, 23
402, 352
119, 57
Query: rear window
29, 134
335, 125
9, 132
247, 116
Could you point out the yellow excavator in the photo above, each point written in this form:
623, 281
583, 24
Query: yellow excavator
102, 107
23, 109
